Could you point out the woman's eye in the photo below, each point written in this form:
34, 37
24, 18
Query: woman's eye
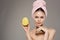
36, 17
41, 17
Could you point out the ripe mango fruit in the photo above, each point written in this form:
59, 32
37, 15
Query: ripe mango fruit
25, 21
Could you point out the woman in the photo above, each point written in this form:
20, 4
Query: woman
40, 32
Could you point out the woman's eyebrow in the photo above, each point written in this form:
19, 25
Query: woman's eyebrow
36, 16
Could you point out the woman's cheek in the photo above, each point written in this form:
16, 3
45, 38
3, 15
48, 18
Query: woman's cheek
36, 20
42, 20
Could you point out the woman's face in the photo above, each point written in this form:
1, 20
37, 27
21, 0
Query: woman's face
39, 17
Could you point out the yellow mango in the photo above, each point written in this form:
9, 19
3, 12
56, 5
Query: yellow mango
25, 21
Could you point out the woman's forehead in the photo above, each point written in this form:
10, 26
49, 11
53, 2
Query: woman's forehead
39, 13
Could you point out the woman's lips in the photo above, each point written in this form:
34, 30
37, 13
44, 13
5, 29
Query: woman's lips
39, 23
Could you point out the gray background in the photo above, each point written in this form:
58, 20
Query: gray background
12, 11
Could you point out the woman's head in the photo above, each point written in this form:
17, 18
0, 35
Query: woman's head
39, 16
39, 11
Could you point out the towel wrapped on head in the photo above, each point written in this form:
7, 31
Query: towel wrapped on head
39, 4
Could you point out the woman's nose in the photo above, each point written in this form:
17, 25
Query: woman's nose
39, 19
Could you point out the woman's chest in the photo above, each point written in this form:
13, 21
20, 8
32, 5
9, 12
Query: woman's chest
37, 37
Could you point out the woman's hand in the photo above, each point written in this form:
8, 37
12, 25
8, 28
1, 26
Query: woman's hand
25, 23
26, 28
42, 28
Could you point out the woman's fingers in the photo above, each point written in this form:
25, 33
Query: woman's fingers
42, 28
26, 28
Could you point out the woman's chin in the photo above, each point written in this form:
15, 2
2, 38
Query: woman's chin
39, 24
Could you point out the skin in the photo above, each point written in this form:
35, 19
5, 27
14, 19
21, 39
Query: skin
39, 18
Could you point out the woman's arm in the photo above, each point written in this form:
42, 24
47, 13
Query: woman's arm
27, 31
51, 34
28, 36
46, 35
46, 32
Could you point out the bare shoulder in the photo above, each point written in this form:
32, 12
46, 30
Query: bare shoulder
51, 30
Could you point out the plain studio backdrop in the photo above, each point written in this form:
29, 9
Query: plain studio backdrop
12, 11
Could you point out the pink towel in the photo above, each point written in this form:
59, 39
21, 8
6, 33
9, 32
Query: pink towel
39, 4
